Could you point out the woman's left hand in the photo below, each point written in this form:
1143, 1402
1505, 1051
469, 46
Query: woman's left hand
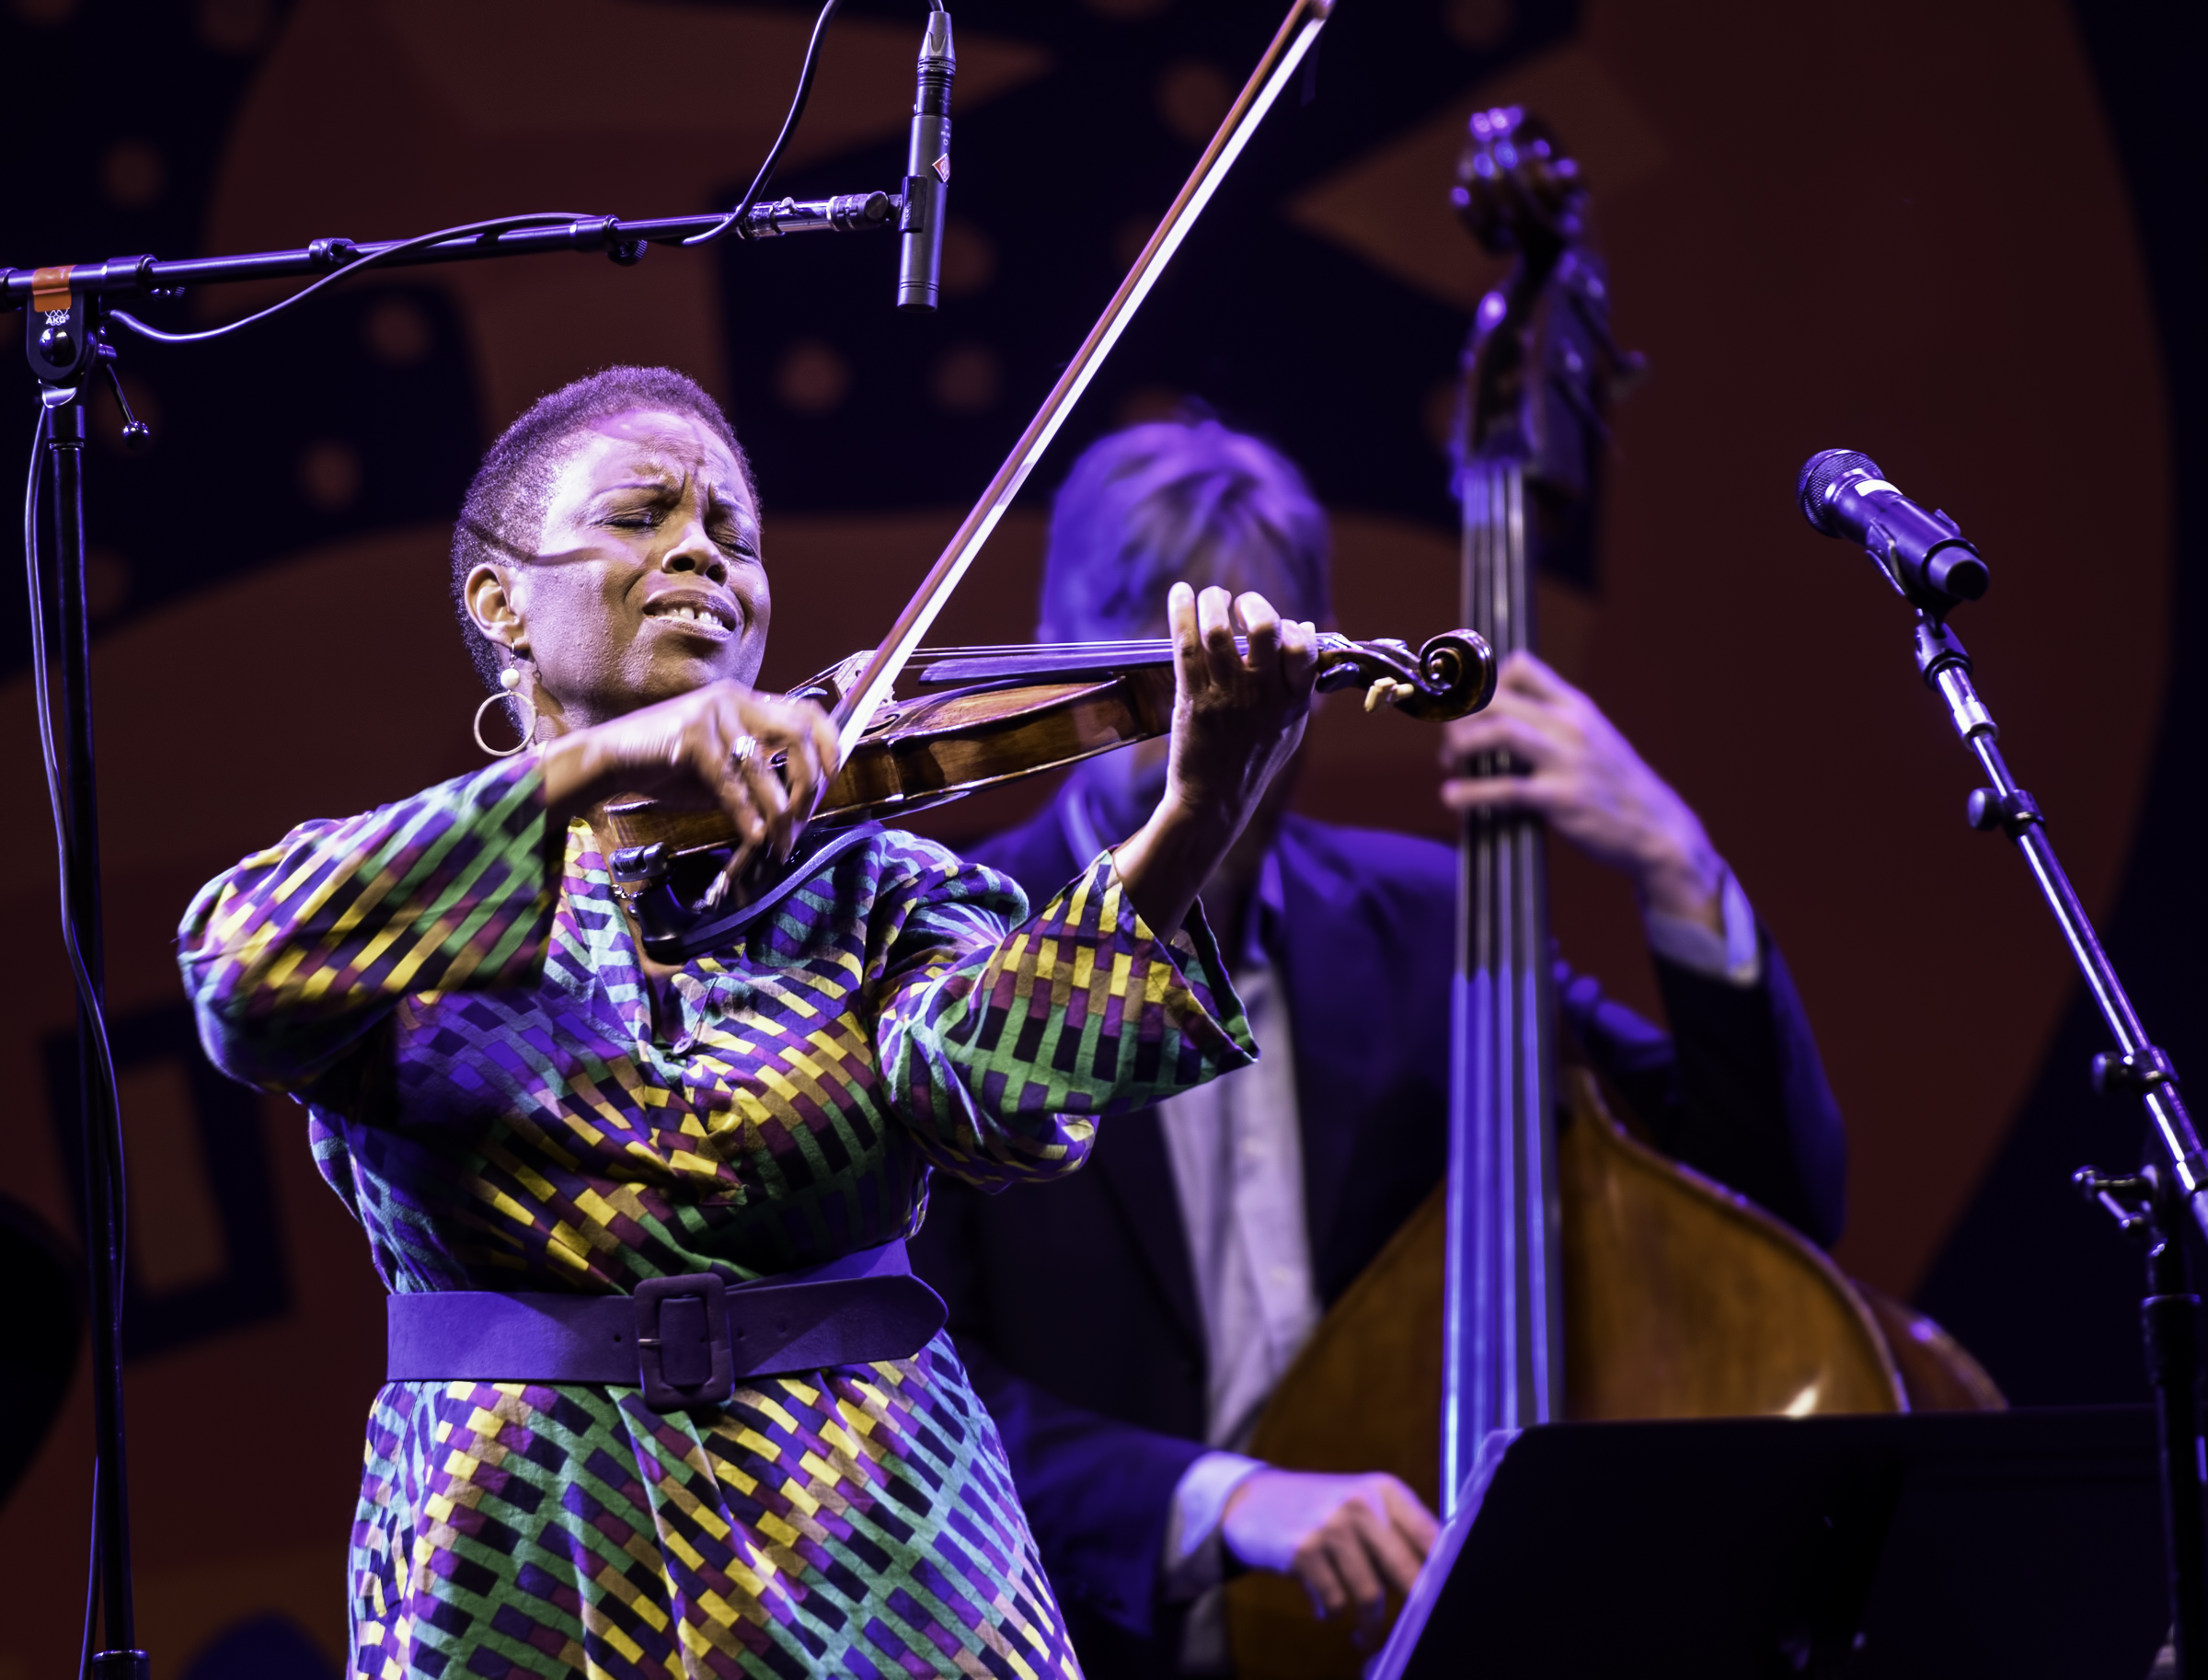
1237, 717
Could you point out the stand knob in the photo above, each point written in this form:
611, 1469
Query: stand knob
2012, 813
2132, 1076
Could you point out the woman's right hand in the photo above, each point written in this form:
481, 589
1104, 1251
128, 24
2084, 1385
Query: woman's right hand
689, 752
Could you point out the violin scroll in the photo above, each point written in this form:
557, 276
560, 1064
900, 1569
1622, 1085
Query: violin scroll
1452, 675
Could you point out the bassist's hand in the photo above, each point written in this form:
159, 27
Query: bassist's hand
1593, 788
1352, 1541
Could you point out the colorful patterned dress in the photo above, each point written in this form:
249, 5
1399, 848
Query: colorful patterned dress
489, 1091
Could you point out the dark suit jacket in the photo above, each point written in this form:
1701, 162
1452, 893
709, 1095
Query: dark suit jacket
1074, 1304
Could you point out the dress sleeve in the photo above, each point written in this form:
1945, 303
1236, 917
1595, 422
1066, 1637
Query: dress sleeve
293, 957
1001, 1050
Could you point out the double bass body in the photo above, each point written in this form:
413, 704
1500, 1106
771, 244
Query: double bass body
1679, 1300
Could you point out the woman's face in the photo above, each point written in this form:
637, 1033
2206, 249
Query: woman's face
646, 581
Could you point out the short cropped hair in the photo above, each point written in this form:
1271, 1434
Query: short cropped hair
505, 502
1171, 501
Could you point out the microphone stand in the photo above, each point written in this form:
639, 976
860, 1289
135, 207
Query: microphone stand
65, 340
99, 1141
2151, 1204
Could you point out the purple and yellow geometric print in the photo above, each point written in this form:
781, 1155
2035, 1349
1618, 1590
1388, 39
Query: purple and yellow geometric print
505, 1102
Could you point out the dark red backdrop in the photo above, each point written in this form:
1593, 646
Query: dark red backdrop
1956, 242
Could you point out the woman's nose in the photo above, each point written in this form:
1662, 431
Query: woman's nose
697, 552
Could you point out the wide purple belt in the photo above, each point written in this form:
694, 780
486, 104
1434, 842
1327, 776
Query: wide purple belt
685, 1340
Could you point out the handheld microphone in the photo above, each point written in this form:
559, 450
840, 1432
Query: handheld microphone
926, 169
1925, 556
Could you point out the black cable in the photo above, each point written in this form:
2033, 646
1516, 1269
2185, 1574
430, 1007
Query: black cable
497, 224
503, 223
87, 998
114, 1186
789, 127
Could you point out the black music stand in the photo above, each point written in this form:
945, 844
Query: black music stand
2018, 1543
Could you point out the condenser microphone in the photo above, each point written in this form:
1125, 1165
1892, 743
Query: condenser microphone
1925, 555
926, 169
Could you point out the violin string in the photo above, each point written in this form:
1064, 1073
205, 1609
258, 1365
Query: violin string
1147, 646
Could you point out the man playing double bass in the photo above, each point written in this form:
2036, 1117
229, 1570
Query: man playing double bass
1126, 1329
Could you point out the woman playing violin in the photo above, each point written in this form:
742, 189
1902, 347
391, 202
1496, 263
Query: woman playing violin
529, 1117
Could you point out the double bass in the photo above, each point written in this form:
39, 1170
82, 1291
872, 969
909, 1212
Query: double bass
1564, 1269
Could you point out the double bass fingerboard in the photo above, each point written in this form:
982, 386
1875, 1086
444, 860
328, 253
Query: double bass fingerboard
1503, 1353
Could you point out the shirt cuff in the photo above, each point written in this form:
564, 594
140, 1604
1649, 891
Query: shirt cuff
1733, 956
1195, 1557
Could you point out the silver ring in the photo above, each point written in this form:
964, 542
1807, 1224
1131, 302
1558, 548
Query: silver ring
741, 753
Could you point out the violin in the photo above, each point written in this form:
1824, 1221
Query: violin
983, 716
977, 718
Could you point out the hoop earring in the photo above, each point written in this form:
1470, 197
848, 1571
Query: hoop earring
510, 680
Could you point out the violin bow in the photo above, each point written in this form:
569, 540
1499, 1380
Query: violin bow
1291, 43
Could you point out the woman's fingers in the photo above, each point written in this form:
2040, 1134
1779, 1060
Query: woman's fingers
738, 758
1262, 626
769, 798
1299, 655
761, 756
787, 771
1204, 627
1191, 665
1215, 621
712, 764
821, 764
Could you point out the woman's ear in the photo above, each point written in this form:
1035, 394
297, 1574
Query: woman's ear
491, 608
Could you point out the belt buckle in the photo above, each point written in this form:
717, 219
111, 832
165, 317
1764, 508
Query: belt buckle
683, 1358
